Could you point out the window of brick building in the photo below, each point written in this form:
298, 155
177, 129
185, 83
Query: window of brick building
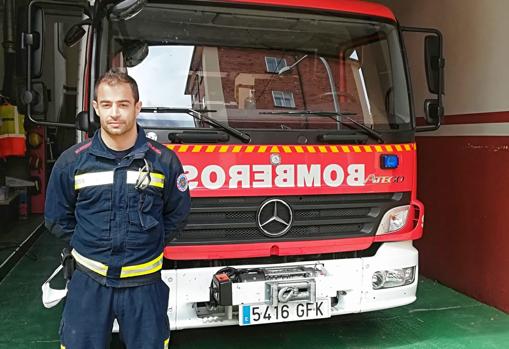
283, 99
274, 64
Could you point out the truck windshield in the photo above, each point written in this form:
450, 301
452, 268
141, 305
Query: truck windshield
240, 67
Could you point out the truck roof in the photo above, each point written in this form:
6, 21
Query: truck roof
357, 7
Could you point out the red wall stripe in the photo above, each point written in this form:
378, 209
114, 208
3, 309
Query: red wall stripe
479, 118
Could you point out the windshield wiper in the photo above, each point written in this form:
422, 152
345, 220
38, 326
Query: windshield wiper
198, 115
338, 117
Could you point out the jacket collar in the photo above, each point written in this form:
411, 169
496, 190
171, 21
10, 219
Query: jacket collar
98, 147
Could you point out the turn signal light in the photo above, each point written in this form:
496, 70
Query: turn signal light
393, 220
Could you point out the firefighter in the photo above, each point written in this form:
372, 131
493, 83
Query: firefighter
118, 198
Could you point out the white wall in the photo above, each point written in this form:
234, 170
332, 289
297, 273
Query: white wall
476, 48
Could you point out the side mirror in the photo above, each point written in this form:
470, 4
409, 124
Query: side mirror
134, 52
126, 9
433, 111
76, 32
434, 64
82, 122
37, 42
433, 61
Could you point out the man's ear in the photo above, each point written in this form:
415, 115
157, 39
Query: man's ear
138, 107
96, 107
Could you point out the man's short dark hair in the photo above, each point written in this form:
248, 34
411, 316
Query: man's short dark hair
115, 76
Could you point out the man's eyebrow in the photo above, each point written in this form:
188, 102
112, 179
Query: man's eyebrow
119, 101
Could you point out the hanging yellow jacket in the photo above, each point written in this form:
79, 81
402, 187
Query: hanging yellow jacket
12, 131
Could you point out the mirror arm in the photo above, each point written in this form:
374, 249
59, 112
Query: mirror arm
48, 123
441, 60
441, 64
431, 127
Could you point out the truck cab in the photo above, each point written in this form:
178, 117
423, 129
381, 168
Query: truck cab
295, 123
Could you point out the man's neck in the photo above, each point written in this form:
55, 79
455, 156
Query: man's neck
120, 142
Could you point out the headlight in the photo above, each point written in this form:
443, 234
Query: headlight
393, 278
393, 220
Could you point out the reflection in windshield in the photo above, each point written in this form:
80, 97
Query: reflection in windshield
319, 63
161, 79
162, 76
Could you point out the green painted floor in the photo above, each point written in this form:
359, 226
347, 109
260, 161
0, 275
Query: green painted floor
441, 318
12, 236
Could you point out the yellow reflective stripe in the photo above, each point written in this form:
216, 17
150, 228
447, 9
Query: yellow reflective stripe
93, 179
128, 271
62, 346
106, 177
88, 263
292, 148
142, 269
156, 179
166, 343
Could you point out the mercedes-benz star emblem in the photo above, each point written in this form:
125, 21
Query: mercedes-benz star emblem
275, 217
275, 159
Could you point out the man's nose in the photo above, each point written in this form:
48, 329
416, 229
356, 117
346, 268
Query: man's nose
115, 111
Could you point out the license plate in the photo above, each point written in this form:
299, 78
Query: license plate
254, 314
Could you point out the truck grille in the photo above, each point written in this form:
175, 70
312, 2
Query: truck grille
235, 219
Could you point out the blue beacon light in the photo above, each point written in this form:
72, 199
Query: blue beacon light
389, 161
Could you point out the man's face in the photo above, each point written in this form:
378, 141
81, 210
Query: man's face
116, 108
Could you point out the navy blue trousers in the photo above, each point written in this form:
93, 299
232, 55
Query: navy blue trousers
91, 308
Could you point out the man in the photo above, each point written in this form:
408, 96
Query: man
118, 198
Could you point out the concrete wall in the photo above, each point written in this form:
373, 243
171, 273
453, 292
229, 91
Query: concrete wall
463, 167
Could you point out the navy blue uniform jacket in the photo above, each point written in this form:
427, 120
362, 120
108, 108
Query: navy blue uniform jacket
93, 203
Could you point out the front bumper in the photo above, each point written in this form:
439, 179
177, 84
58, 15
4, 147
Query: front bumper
348, 281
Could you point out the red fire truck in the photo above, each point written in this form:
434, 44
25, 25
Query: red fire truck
294, 120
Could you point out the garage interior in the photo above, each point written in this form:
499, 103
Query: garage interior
463, 293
